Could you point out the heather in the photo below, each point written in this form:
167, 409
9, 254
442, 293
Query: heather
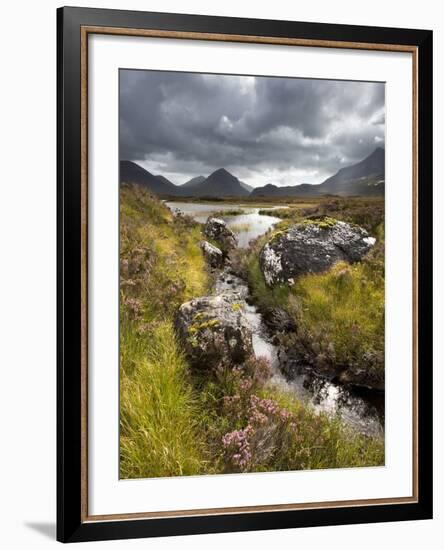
253, 425
366, 212
178, 420
161, 266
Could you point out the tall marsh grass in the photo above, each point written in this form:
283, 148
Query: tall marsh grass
343, 313
339, 314
161, 267
159, 433
174, 421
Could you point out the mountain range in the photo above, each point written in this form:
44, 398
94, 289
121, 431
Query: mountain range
366, 178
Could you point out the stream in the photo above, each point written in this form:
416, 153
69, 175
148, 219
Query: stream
363, 410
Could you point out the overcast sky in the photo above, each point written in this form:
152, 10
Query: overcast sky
262, 129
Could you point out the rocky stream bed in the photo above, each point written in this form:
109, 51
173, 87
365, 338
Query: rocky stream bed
227, 324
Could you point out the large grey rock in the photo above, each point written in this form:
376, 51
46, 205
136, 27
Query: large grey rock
217, 230
312, 247
213, 255
214, 329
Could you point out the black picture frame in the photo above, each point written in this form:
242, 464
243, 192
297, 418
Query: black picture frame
71, 523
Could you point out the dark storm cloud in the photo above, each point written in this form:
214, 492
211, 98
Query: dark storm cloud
262, 129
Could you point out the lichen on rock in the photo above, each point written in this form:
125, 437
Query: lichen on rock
214, 329
217, 230
312, 246
213, 255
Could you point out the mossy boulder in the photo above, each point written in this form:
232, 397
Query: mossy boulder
217, 230
214, 329
312, 246
213, 255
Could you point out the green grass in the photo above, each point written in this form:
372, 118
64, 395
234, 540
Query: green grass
322, 441
262, 294
366, 212
292, 211
240, 227
317, 440
159, 434
339, 314
161, 267
228, 212
173, 420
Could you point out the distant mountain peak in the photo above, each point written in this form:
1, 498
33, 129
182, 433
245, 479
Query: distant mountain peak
372, 165
219, 183
222, 171
364, 178
223, 175
131, 172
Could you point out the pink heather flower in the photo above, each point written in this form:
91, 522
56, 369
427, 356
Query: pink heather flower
284, 414
246, 384
238, 443
258, 418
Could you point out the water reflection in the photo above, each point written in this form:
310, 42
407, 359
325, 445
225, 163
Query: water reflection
246, 226
364, 410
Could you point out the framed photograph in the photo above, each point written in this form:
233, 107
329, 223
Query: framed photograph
244, 274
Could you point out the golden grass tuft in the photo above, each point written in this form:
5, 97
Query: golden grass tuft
159, 434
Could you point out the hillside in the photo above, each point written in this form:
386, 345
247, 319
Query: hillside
366, 178
363, 178
163, 179
270, 190
193, 182
220, 184
247, 187
130, 172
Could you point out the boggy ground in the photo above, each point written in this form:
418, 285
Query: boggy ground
176, 420
338, 315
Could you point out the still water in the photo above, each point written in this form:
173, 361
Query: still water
246, 226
